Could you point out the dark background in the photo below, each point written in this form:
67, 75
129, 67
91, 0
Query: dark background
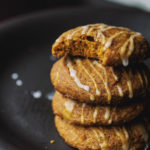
13, 8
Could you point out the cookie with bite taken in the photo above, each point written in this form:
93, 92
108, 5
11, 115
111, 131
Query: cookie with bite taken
111, 45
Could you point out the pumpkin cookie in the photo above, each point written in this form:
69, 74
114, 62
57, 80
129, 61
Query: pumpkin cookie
111, 45
133, 136
85, 114
88, 81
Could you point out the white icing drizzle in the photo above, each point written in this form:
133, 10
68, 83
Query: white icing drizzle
129, 83
73, 75
140, 78
57, 40
107, 44
131, 45
97, 138
125, 56
125, 62
114, 75
103, 79
82, 113
110, 121
122, 51
70, 36
145, 78
118, 86
126, 133
92, 98
69, 105
88, 32
95, 114
84, 29
124, 138
102, 27
107, 28
99, 135
109, 41
107, 113
93, 80
100, 35
104, 145
120, 90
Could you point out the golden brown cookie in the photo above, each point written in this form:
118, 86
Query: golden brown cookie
85, 114
111, 45
88, 81
129, 137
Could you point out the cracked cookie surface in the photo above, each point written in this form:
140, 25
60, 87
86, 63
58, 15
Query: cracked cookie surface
88, 81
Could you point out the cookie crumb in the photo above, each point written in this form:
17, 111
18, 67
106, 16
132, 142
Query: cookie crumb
52, 141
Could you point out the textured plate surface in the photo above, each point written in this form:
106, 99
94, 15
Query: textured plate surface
27, 122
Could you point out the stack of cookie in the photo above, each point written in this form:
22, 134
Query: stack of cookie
98, 98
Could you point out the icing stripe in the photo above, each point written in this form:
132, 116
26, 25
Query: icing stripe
82, 113
109, 41
120, 90
124, 55
73, 75
131, 45
107, 113
129, 83
118, 86
99, 135
70, 36
92, 98
145, 78
103, 79
125, 50
89, 75
114, 75
95, 114
84, 29
123, 135
69, 105
104, 143
140, 78
98, 138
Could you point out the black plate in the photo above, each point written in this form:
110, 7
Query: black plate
27, 123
